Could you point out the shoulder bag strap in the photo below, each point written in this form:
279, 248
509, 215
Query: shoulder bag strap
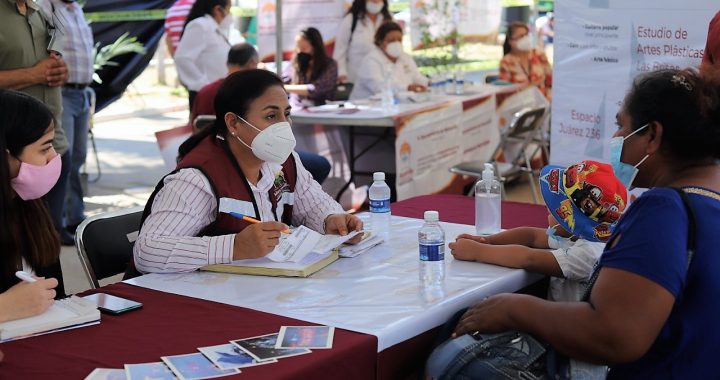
691, 243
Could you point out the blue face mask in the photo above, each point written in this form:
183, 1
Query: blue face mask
624, 172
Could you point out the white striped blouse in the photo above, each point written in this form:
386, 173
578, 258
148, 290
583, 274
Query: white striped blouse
186, 204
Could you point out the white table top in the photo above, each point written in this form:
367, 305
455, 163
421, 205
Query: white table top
376, 293
371, 114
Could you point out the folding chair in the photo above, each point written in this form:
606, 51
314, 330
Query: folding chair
105, 243
521, 131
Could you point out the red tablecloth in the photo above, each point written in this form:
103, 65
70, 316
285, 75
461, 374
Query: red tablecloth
170, 325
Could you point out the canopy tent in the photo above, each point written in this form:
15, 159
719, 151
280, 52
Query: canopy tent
148, 32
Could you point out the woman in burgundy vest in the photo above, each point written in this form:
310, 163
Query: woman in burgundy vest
243, 164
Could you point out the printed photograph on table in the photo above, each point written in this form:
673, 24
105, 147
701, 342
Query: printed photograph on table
155, 371
195, 366
230, 356
316, 337
262, 348
107, 374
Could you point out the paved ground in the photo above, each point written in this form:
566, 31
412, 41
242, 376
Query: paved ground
130, 162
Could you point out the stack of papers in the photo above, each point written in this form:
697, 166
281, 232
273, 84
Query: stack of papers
369, 241
299, 254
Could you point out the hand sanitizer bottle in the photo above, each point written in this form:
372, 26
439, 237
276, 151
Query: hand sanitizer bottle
487, 203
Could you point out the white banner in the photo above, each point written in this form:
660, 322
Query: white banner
324, 15
442, 21
427, 145
600, 46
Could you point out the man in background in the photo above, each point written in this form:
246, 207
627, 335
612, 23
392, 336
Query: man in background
31, 62
77, 95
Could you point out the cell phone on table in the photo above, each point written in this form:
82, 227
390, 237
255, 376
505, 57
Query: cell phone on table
111, 304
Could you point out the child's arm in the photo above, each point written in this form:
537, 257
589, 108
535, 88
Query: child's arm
512, 256
528, 236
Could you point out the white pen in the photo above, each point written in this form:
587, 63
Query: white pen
25, 276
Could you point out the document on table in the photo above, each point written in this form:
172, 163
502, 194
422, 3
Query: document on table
295, 246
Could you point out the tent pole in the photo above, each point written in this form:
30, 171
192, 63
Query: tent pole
278, 37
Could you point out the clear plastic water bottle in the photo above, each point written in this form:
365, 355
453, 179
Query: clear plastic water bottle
379, 195
449, 84
487, 203
459, 82
431, 239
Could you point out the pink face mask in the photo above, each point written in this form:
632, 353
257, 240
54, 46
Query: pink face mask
34, 181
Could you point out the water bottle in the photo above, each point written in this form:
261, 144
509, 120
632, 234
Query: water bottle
487, 203
449, 84
459, 82
431, 239
379, 195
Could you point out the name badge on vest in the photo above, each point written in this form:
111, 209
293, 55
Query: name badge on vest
228, 205
281, 194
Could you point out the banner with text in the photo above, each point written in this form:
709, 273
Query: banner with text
324, 15
600, 47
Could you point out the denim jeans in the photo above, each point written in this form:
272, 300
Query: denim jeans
317, 165
76, 121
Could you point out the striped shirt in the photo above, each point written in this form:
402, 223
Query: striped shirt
186, 204
76, 37
175, 21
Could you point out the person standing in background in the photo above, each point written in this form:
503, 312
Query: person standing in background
711, 58
76, 97
204, 45
356, 34
174, 23
31, 62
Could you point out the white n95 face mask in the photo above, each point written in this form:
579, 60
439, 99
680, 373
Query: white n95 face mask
374, 8
524, 44
394, 49
272, 144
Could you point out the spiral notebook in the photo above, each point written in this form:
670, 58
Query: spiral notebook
65, 314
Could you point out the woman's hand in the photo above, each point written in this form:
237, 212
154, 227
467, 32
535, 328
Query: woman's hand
417, 88
257, 240
342, 223
342, 78
492, 315
27, 299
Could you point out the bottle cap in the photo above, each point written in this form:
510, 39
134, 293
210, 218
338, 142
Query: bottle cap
378, 176
432, 216
488, 174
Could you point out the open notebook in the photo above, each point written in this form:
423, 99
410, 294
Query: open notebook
300, 254
64, 314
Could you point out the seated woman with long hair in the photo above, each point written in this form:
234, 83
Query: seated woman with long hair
29, 167
312, 76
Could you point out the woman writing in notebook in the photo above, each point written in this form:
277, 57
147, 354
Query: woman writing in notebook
29, 167
243, 164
